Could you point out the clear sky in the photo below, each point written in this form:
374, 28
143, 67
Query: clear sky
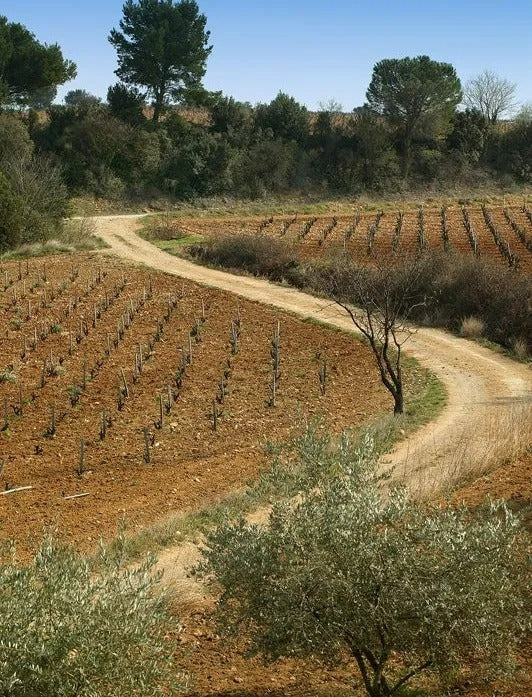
313, 50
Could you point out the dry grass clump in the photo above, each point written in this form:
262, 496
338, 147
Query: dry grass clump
504, 434
165, 227
258, 254
472, 327
75, 235
520, 349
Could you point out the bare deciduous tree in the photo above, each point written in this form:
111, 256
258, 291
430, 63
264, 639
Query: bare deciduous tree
331, 106
379, 301
492, 95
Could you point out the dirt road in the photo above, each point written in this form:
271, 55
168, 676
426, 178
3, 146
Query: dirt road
489, 406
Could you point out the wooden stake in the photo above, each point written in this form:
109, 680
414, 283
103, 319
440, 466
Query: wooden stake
14, 491
214, 415
126, 389
161, 411
103, 425
6, 415
147, 453
81, 466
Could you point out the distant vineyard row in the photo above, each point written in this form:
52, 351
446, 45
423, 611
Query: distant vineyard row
500, 234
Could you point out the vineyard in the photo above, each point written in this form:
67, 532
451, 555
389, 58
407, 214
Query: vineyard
130, 393
501, 234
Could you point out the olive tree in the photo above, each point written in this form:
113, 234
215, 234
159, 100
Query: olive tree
72, 631
353, 572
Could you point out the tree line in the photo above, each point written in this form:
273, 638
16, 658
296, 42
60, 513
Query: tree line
139, 144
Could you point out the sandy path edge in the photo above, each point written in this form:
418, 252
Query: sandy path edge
489, 396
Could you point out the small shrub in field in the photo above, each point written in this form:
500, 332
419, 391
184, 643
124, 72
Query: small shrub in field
8, 375
165, 228
472, 327
69, 631
78, 234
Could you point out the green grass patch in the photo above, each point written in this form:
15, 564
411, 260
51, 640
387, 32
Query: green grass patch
163, 232
175, 247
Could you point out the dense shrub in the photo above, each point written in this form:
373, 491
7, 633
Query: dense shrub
10, 215
267, 165
33, 197
15, 141
69, 631
512, 152
459, 286
111, 150
37, 181
439, 289
259, 255
449, 287
286, 118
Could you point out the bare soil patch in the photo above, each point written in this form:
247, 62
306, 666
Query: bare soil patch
191, 464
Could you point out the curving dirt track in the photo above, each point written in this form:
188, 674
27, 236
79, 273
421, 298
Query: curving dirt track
489, 407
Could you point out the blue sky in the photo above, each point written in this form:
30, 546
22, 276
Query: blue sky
312, 50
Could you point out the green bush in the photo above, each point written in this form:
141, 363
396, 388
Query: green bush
38, 184
33, 197
351, 568
69, 631
10, 215
15, 141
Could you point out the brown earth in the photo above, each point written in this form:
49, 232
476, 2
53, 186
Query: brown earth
489, 396
488, 410
191, 464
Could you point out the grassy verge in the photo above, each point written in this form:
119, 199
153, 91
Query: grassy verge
520, 357
303, 204
163, 232
426, 397
75, 236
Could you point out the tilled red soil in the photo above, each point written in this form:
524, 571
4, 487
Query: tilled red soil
191, 464
375, 237
220, 669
